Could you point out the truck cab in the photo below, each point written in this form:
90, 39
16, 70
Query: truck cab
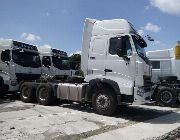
113, 52
18, 62
55, 63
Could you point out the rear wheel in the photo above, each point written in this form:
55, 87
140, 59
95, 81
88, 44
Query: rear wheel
44, 94
104, 101
27, 92
166, 96
179, 97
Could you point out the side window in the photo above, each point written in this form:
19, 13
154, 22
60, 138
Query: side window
114, 44
155, 64
122, 43
46, 61
5, 56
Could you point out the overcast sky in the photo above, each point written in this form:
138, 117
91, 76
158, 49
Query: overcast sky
59, 23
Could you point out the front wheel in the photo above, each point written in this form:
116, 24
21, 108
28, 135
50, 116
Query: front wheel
166, 96
104, 101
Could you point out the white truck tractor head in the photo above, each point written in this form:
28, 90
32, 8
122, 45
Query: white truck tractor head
18, 62
55, 63
113, 51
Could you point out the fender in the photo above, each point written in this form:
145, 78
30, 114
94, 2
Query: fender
107, 82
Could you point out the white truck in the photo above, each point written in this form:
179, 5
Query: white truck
115, 67
55, 63
18, 62
166, 75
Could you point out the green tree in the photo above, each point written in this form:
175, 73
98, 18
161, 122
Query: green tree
75, 61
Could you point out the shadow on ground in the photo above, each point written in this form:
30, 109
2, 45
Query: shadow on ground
131, 113
10, 97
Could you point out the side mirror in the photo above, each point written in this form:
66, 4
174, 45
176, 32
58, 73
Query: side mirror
120, 52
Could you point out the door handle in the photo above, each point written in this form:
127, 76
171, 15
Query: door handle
108, 70
92, 57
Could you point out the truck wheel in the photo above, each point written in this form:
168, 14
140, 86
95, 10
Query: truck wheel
179, 97
44, 94
27, 92
104, 101
166, 96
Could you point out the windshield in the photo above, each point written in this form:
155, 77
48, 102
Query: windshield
139, 45
26, 58
61, 63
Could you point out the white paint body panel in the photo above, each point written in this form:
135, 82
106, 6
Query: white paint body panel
169, 66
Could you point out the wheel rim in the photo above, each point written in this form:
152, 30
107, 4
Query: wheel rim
25, 92
103, 102
166, 97
43, 93
179, 96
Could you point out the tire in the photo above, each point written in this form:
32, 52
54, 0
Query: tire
44, 94
1, 81
27, 92
166, 96
168, 78
179, 97
1, 87
104, 101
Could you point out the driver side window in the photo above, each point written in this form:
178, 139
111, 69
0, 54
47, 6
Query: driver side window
46, 61
120, 43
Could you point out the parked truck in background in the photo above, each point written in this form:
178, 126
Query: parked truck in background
19, 62
116, 70
55, 63
166, 75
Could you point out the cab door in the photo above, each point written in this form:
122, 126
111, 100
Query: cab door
120, 68
47, 69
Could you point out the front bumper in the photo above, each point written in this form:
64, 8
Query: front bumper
142, 95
